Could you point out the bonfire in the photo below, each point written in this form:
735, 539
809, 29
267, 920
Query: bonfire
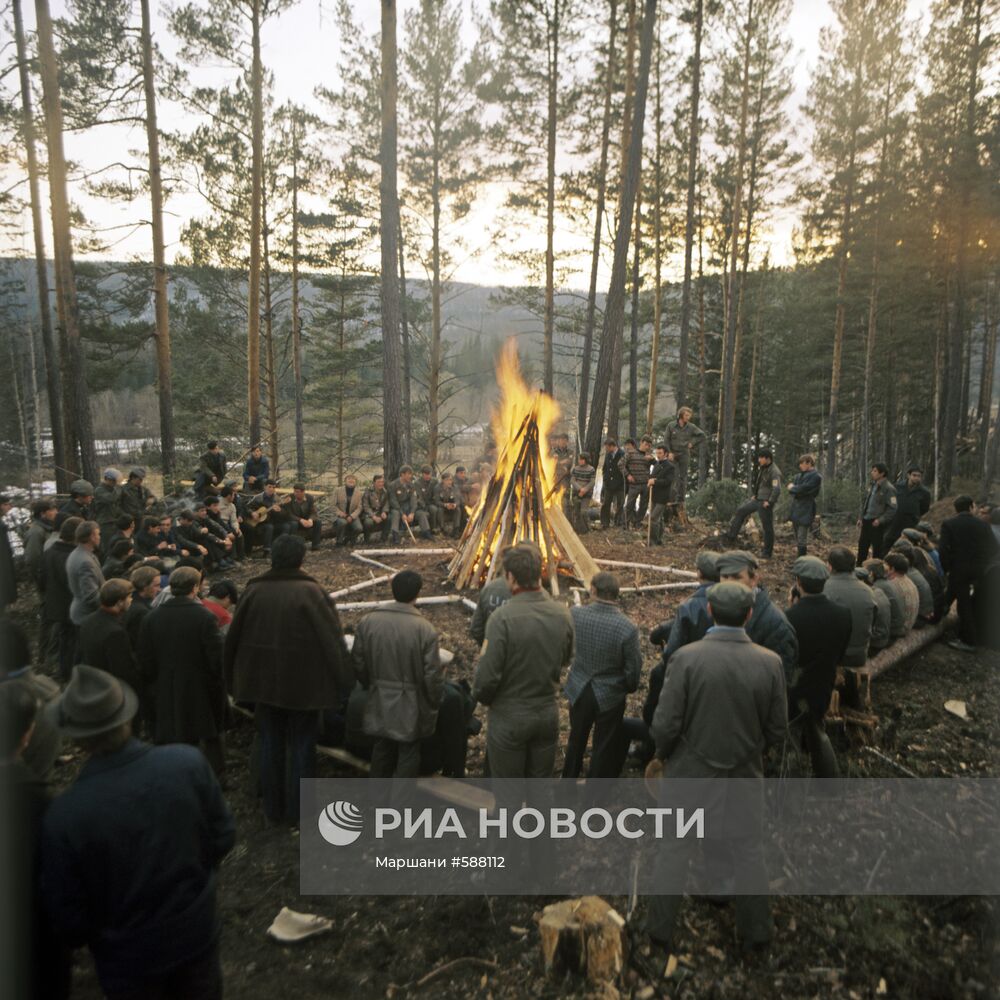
522, 500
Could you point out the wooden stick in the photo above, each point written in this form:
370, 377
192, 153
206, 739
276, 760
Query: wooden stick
369, 605
373, 562
686, 585
649, 566
471, 605
362, 586
409, 530
483, 963
409, 552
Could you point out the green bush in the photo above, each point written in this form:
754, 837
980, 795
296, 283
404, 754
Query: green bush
717, 500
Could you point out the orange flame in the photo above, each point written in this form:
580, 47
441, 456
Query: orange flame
518, 401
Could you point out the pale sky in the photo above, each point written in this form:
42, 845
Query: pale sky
301, 49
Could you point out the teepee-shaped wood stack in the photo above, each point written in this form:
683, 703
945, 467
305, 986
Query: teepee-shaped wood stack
520, 505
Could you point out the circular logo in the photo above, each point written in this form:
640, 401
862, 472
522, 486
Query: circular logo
340, 823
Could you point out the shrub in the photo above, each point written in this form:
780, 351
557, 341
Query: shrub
717, 500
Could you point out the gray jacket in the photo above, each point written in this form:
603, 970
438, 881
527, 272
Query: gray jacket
880, 502
897, 609
849, 592
85, 579
396, 660
767, 485
528, 642
882, 625
723, 702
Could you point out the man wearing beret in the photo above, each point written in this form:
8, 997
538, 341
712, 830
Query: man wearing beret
723, 702
823, 630
768, 627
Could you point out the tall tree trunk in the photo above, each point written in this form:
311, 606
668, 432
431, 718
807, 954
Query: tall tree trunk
992, 323
633, 357
76, 412
702, 360
300, 437
342, 375
654, 353
272, 371
16, 379
614, 313
967, 155
554, 27
434, 375
843, 256
407, 371
36, 398
256, 198
729, 344
692, 170
595, 256
160, 297
615, 389
53, 383
389, 216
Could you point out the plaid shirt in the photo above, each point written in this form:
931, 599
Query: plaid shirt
606, 655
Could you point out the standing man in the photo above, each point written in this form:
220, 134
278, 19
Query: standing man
681, 437
913, 500
804, 488
823, 630
564, 466
375, 509
404, 506
877, 513
302, 515
612, 484
638, 466
256, 471
661, 480
83, 572
211, 469
397, 661
347, 511
135, 883
81, 497
495, 594
43, 520
137, 501
57, 598
723, 702
8, 572
103, 641
108, 503
764, 493
528, 642
581, 483
285, 653
967, 548
180, 662
606, 667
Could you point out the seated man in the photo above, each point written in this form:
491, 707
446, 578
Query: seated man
120, 560
190, 537
213, 537
211, 470
451, 506
266, 515
154, 538
218, 527
347, 513
256, 471
227, 516
405, 509
125, 527
428, 492
302, 515
375, 510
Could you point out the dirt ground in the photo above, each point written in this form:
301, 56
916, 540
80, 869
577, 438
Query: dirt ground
849, 947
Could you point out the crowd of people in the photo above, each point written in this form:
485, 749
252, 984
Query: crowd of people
145, 658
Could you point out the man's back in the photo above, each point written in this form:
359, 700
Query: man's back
104, 643
55, 586
967, 546
606, 653
824, 632
129, 858
491, 597
768, 627
849, 592
528, 641
84, 579
723, 701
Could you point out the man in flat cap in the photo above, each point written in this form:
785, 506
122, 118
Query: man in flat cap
137, 500
768, 627
131, 850
723, 702
823, 630
107, 507
81, 497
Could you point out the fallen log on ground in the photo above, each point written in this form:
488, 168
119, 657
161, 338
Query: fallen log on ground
361, 586
420, 601
650, 566
410, 552
905, 647
373, 562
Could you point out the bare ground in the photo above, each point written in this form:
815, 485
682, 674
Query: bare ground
851, 947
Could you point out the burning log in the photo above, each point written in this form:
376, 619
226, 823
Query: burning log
519, 504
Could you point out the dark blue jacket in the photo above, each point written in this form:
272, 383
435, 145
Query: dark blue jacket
259, 467
129, 858
804, 490
768, 627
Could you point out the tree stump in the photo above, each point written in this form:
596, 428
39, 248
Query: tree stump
584, 936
